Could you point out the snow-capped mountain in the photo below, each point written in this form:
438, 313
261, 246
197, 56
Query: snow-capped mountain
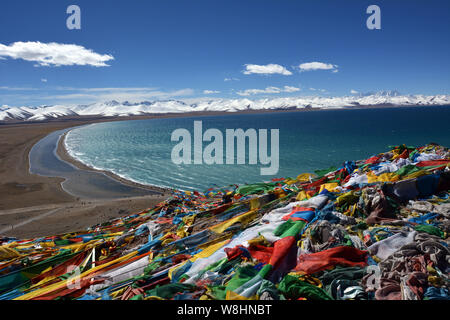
122, 109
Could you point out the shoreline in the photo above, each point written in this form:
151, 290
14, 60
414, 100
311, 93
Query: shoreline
33, 205
64, 155
15, 165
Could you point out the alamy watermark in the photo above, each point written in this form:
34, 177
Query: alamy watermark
222, 152
374, 279
73, 282
74, 20
374, 20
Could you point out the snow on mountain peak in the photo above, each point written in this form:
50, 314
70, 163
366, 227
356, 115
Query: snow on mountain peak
115, 108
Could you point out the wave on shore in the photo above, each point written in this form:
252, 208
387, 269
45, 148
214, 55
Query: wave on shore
79, 158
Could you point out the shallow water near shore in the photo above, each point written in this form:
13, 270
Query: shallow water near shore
140, 150
44, 161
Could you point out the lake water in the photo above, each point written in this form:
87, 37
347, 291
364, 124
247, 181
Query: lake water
140, 150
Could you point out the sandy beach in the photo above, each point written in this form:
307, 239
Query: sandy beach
33, 205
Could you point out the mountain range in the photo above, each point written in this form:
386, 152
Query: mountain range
122, 109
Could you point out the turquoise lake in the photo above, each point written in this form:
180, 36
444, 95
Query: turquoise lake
140, 150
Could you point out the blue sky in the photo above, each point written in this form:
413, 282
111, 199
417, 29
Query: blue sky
178, 49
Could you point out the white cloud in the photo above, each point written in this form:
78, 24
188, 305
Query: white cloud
54, 54
231, 79
315, 89
291, 89
249, 92
122, 94
44, 80
309, 66
210, 91
18, 89
354, 91
266, 69
109, 89
64, 95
